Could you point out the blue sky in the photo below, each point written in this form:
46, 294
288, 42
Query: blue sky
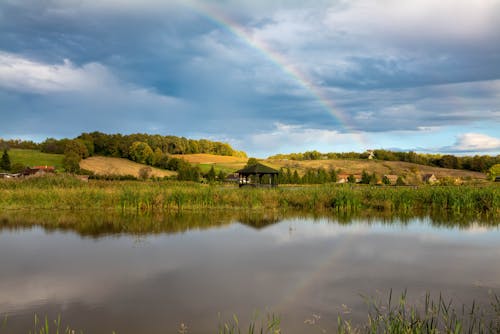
395, 74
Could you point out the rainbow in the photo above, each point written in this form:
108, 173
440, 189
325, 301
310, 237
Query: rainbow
278, 60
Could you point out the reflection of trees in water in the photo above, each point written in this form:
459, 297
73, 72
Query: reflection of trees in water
103, 223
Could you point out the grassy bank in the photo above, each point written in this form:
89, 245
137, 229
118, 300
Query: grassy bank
66, 193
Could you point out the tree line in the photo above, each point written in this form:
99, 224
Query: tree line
478, 163
152, 150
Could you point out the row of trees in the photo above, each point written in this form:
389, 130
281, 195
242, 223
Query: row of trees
479, 163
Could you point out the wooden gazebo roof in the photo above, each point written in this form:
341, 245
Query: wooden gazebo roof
258, 168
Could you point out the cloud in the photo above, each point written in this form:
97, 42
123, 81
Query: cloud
297, 138
476, 142
24, 75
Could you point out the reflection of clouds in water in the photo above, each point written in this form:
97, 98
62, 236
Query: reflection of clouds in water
295, 265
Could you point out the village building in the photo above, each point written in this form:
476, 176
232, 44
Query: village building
232, 177
38, 171
258, 175
344, 178
392, 178
430, 178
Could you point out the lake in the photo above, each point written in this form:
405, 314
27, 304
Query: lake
301, 268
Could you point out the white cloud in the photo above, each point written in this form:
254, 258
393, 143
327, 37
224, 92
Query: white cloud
296, 138
25, 75
476, 142
455, 19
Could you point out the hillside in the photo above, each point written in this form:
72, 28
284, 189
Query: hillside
119, 166
227, 164
35, 158
379, 167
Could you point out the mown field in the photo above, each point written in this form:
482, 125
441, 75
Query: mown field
119, 166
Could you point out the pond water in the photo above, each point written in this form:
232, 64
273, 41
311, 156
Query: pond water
297, 268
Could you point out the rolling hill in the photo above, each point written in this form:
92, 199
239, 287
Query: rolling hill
119, 166
36, 158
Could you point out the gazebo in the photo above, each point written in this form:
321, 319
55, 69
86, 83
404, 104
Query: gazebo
253, 176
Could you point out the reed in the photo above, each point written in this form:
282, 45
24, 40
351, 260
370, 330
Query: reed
63, 192
434, 316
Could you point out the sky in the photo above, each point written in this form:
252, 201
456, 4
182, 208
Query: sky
265, 76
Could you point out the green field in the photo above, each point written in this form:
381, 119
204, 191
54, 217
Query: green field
35, 158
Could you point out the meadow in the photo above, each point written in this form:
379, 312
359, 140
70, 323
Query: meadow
67, 193
36, 158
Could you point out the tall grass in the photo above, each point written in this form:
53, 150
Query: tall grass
59, 192
434, 316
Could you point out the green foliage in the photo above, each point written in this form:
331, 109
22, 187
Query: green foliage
365, 177
385, 180
17, 167
221, 176
252, 161
494, 171
71, 162
351, 179
77, 147
5, 161
211, 176
141, 152
400, 181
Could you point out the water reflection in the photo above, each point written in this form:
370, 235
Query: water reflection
103, 223
149, 274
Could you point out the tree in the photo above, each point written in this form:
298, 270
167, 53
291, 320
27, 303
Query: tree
141, 152
252, 161
71, 162
145, 173
17, 167
5, 162
365, 177
494, 171
211, 174
400, 181
221, 176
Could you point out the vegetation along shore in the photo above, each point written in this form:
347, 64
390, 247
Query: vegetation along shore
60, 192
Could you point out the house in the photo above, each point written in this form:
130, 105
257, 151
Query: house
392, 178
38, 171
429, 178
9, 175
343, 178
233, 177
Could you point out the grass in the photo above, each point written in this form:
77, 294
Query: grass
67, 193
434, 316
35, 158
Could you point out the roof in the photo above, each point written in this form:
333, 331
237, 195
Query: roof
258, 169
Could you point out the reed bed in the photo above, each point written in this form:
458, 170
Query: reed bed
67, 193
